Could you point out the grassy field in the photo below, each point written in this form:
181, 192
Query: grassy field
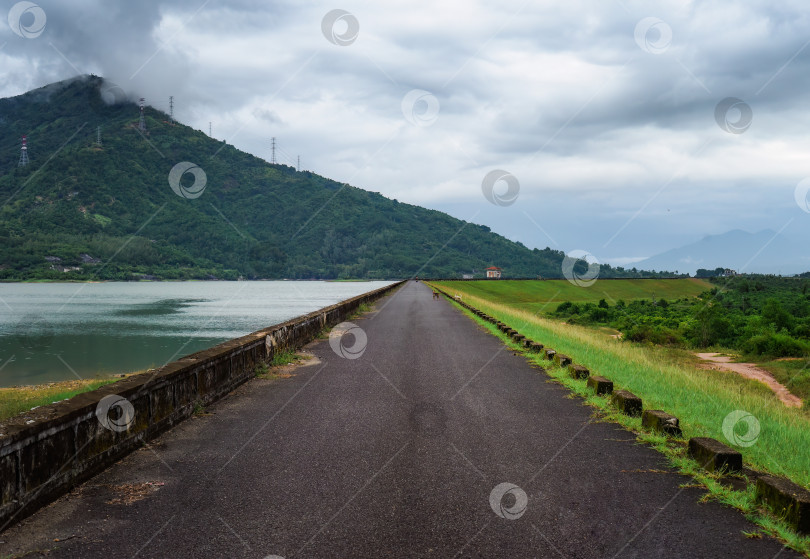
546, 294
663, 378
18, 399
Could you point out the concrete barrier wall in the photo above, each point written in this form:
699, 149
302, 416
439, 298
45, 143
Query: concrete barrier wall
75, 439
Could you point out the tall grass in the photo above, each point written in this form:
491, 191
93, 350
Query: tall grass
701, 399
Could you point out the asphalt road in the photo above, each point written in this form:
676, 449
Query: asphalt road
400, 452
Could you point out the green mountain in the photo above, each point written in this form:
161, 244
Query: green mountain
80, 210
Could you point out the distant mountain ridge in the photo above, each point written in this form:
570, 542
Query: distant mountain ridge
88, 211
765, 252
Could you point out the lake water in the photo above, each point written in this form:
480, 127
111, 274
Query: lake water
64, 331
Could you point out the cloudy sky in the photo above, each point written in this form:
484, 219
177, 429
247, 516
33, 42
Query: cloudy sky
609, 120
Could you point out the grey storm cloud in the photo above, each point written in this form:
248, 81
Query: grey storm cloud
560, 94
112, 39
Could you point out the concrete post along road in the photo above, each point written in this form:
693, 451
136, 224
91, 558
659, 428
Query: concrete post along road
428, 439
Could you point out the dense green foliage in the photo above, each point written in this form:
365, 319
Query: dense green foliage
716, 273
82, 211
761, 316
704, 273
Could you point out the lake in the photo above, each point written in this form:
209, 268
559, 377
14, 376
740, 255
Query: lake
63, 331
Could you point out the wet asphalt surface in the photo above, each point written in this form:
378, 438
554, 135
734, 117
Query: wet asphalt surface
397, 453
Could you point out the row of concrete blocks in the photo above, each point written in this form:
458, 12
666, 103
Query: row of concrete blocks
785, 498
628, 403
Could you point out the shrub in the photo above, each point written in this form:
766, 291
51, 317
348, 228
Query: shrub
654, 334
563, 308
598, 314
773, 344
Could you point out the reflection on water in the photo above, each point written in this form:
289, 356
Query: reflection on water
55, 331
164, 306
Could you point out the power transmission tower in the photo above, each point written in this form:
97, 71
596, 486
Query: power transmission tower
209, 130
273, 151
142, 121
298, 168
24, 152
171, 109
98, 136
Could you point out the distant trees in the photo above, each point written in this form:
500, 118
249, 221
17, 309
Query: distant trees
763, 316
708, 326
776, 316
704, 273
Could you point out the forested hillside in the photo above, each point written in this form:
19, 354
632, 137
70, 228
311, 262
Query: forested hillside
85, 211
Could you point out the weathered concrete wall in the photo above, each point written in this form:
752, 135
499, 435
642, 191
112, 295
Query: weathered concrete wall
77, 438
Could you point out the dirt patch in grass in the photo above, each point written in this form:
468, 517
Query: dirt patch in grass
716, 361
